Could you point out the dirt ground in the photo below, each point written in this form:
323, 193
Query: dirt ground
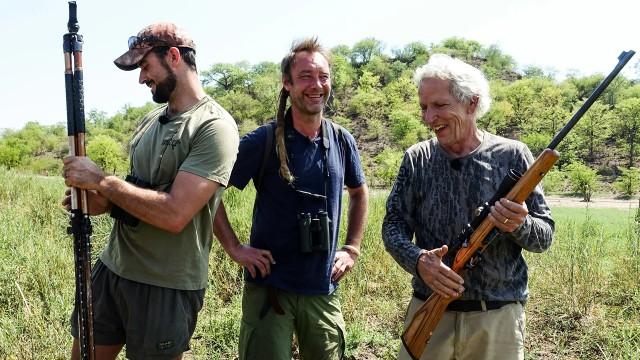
562, 201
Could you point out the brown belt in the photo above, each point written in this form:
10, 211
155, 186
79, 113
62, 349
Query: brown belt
271, 302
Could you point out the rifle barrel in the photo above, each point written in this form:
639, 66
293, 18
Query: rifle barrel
623, 59
80, 223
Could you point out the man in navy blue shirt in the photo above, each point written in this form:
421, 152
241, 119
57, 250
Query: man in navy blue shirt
293, 264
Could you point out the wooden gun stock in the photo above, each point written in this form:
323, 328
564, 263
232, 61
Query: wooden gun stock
425, 320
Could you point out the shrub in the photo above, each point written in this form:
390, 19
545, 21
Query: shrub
582, 179
406, 129
107, 153
554, 181
388, 162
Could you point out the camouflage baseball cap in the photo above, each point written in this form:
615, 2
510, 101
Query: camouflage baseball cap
154, 35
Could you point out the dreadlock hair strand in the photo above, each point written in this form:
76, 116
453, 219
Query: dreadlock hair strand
281, 148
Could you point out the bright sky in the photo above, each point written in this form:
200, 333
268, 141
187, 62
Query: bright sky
562, 35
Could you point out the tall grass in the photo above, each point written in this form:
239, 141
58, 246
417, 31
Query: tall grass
584, 303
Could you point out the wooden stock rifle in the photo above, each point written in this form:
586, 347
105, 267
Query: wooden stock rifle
80, 224
481, 232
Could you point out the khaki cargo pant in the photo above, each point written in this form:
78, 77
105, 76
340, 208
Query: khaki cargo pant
476, 335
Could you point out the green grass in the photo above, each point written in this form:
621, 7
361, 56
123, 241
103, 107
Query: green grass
584, 303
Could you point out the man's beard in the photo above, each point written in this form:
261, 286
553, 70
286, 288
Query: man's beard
165, 88
298, 102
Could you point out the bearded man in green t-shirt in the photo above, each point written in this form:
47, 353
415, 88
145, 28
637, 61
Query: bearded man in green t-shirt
148, 285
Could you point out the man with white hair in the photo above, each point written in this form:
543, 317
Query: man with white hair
440, 184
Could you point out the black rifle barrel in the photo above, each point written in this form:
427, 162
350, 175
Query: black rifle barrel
72, 25
623, 59
80, 224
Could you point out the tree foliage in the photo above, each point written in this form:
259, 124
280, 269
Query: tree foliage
107, 153
374, 96
628, 183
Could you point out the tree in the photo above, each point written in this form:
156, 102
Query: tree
495, 120
533, 71
412, 54
632, 91
226, 76
521, 97
96, 118
627, 127
380, 67
585, 85
628, 183
341, 50
364, 50
593, 130
369, 102
343, 75
241, 106
496, 62
458, 48
401, 94
126, 121
264, 87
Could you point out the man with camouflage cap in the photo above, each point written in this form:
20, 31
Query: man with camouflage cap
149, 282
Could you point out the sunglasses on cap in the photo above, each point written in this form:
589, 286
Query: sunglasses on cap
138, 41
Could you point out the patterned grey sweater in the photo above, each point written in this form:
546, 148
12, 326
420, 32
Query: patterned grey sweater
433, 199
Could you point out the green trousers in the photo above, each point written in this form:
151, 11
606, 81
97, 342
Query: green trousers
316, 321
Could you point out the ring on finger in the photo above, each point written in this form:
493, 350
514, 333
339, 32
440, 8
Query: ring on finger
506, 220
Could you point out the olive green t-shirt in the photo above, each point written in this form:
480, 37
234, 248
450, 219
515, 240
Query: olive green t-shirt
202, 140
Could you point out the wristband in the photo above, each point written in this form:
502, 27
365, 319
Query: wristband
352, 249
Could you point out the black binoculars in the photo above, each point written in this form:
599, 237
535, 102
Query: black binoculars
314, 232
118, 213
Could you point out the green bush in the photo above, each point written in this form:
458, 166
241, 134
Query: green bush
554, 181
406, 129
388, 162
10, 156
344, 122
583, 179
107, 153
43, 165
375, 129
536, 142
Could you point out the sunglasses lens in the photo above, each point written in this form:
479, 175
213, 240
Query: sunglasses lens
133, 41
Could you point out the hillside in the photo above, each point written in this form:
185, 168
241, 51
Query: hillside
375, 98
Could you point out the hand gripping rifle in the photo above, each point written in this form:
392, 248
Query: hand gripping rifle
80, 224
477, 235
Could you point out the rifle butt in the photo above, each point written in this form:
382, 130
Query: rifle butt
424, 321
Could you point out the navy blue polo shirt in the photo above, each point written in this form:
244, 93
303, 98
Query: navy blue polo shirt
320, 166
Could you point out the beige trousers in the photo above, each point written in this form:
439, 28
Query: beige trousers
476, 335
